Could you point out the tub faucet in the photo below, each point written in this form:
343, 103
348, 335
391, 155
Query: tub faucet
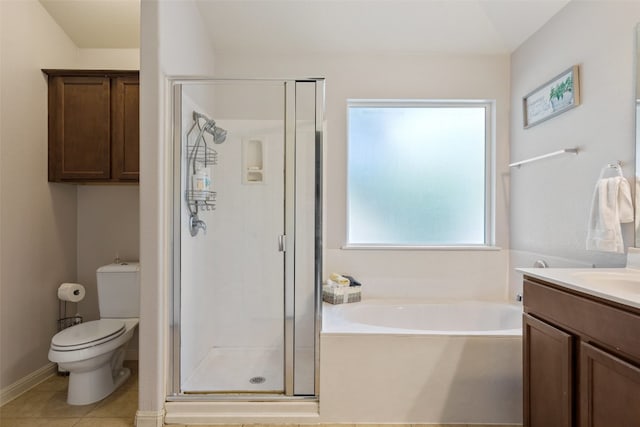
196, 224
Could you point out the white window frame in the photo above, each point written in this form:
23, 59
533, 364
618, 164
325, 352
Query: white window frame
490, 138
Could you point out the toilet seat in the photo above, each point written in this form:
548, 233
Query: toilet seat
87, 335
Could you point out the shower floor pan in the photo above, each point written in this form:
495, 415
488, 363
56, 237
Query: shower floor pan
238, 370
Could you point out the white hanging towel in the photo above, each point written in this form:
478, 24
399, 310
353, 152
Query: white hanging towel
611, 206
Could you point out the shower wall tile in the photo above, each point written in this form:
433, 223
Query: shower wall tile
232, 292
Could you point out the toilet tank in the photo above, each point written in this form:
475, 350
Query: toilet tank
119, 290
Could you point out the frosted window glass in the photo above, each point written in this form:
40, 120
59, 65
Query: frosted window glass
416, 175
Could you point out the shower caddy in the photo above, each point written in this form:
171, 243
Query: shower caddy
201, 156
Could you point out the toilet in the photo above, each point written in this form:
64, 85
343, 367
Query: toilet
93, 352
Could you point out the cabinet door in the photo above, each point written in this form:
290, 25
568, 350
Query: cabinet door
126, 129
80, 128
548, 375
609, 390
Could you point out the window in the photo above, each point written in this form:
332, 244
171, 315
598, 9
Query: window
419, 173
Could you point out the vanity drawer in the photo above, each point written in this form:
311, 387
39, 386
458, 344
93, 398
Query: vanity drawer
593, 319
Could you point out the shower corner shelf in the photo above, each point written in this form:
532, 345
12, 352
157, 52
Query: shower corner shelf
204, 200
199, 157
205, 155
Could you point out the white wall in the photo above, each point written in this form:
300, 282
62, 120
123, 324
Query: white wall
550, 200
37, 219
405, 273
197, 334
173, 43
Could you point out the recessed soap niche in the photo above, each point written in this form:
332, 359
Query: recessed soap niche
253, 160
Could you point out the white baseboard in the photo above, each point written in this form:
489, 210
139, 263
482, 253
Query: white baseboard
299, 412
150, 418
26, 383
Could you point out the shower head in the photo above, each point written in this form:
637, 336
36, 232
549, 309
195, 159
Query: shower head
219, 134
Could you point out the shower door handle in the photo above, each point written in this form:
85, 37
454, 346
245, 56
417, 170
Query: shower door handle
282, 243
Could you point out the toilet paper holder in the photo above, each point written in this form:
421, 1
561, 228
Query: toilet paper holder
64, 319
66, 322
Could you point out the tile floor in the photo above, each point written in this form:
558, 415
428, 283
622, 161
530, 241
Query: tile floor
45, 405
353, 425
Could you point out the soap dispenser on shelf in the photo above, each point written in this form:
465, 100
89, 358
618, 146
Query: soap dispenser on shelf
201, 180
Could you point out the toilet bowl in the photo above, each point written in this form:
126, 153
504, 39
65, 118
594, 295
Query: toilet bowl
93, 352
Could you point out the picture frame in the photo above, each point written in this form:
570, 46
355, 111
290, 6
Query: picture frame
554, 97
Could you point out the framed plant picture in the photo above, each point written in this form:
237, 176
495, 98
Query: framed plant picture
554, 97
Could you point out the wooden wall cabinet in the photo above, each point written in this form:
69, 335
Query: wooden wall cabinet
93, 126
581, 359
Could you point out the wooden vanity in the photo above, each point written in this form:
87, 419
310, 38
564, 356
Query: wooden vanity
581, 357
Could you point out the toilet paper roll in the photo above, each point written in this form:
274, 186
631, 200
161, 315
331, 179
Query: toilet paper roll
73, 292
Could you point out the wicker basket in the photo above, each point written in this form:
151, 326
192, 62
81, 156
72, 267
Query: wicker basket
341, 294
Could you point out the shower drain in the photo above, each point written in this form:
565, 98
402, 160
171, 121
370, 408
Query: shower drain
257, 380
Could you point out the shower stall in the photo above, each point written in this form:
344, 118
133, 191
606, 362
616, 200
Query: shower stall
247, 198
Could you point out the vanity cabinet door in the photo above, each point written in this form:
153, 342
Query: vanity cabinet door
548, 375
609, 390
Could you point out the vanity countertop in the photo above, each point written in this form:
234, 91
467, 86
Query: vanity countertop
621, 285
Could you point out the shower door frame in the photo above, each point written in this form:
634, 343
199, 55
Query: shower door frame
174, 392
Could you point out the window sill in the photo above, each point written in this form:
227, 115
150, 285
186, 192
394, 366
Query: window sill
421, 248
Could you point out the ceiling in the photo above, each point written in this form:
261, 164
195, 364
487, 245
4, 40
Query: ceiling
98, 23
313, 26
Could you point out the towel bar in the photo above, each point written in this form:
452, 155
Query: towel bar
544, 156
617, 165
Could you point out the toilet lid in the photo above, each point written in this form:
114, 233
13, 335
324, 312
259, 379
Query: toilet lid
88, 334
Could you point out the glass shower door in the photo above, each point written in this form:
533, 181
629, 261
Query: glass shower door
232, 273
247, 238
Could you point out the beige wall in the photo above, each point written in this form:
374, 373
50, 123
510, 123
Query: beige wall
551, 199
48, 232
126, 59
108, 226
38, 219
419, 274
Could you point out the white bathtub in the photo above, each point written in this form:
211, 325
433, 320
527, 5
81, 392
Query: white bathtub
423, 318
421, 362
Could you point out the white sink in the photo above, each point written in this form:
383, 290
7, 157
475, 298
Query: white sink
614, 281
